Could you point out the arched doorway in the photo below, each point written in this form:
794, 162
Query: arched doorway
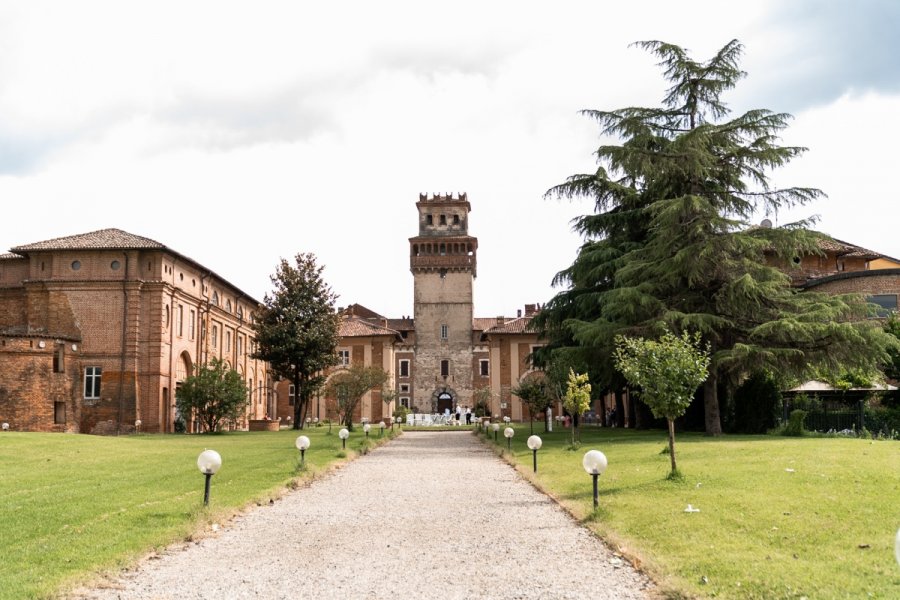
183, 368
443, 398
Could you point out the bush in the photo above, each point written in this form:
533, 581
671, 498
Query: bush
794, 425
401, 411
883, 420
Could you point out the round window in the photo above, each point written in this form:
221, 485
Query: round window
76, 264
114, 265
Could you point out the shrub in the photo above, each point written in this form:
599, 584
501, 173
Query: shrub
794, 425
401, 411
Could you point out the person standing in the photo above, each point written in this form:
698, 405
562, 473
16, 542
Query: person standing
468, 416
458, 413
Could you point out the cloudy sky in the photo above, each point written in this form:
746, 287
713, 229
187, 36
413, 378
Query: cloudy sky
240, 133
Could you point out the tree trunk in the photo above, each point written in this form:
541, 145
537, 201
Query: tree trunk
632, 411
620, 410
711, 404
672, 444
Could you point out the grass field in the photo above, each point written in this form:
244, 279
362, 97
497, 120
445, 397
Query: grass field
71, 505
779, 517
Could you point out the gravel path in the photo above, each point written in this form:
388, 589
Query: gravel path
389, 525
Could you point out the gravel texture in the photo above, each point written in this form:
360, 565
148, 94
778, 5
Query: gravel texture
429, 515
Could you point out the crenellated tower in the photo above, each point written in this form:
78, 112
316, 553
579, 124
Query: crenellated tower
443, 263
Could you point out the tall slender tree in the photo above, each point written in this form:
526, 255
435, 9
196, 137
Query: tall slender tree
297, 329
670, 242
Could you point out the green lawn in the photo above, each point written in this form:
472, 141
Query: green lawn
71, 505
779, 517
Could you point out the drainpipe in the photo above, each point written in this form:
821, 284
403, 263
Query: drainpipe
124, 341
171, 395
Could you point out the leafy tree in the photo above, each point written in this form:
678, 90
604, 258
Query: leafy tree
892, 365
534, 390
215, 395
348, 387
388, 395
577, 399
668, 371
482, 397
297, 329
670, 242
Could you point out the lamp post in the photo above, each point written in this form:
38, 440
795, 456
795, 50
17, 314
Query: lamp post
508, 433
495, 428
137, 426
380, 428
400, 422
308, 421
302, 444
534, 444
366, 429
343, 434
5, 426
594, 462
208, 462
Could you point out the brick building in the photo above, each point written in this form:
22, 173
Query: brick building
98, 330
441, 355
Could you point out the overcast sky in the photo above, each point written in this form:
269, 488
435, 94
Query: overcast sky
240, 133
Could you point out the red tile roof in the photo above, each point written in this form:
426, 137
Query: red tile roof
517, 325
104, 239
353, 327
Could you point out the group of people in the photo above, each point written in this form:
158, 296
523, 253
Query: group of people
461, 412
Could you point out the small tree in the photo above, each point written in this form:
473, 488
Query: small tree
535, 394
349, 386
215, 395
482, 397
577, 399
388, 395
668, 371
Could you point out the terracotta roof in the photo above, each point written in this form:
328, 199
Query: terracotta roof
517, 325
10, 256
353, 327
830, 244
401, 324
483, 324
104, 239
116, 239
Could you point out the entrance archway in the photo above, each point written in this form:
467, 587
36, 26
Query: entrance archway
443, 398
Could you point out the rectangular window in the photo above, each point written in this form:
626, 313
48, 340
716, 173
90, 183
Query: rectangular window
192, 317
886, 304
445, 368
344, 358
404, 402
215, 336
59, 413
429, 220
291, 395
484, 367
179, 316
227, 346
404, 368
404, 388
445, 332
240, 343
59, 363
92, 383
202, 330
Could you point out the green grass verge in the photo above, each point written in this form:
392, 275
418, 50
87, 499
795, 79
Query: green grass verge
74, 505
779, 517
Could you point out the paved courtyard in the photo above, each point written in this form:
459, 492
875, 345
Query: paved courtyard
429, 515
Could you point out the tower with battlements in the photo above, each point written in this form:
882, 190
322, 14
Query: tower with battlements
443, 263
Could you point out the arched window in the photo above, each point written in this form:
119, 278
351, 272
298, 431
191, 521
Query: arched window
215, 298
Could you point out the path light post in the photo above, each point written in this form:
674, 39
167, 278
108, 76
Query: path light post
496, 428
534, 444
594, 462
343, 434
208, 462
302, 444
308, 421
137, 426
6, 427
380, 428
508, 433
366, 429
399, 422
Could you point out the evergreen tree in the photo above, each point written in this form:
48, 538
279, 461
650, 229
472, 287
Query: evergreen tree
297, 329
670, 241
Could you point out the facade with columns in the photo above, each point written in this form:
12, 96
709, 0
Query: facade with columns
439, 357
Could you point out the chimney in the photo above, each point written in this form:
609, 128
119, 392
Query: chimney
519, 313
501, 320
530, 309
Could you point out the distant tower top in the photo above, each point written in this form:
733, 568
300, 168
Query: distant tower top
766, 224
443, 242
